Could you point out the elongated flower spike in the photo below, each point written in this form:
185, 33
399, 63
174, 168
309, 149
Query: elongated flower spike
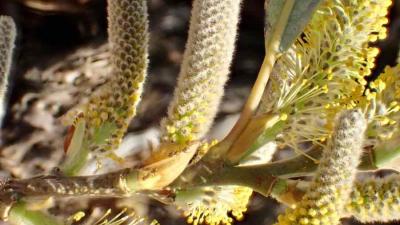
128, 37
107, 114
324, 72
375, 200
7, 38
321, 204
204, 71
200, 87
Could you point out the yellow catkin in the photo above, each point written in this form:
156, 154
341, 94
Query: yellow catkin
321, 204
204, 70
384, 93
7, 39
375, 200
324, 71
217, 205
108, 112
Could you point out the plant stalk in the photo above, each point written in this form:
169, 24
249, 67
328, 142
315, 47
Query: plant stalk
127, 181
272, 53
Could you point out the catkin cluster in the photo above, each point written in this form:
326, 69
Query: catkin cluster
204, 70
114, 106
321, 204
7, 38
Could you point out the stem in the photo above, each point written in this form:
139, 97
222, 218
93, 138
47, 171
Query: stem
227, 175
254, 97
127, 181
259, 177
117, 184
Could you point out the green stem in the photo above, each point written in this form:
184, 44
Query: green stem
127, 181
259, 177
116, 184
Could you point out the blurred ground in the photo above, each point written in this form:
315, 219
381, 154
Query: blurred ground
61, 57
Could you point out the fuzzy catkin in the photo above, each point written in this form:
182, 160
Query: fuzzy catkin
321, 204
375, 200
204, 70
7, 39
116, 103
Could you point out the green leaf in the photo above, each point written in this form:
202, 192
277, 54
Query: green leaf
288, 17
77, 150
20, 215
386, 153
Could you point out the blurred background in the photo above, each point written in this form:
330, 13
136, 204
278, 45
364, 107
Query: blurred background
61, 57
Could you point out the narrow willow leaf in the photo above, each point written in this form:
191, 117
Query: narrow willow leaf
300, 14
76, 154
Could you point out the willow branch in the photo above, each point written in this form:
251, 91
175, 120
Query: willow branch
260, 178
117, 184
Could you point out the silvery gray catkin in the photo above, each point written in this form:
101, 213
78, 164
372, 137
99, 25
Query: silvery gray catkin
329, 192
116, 104
204, 70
